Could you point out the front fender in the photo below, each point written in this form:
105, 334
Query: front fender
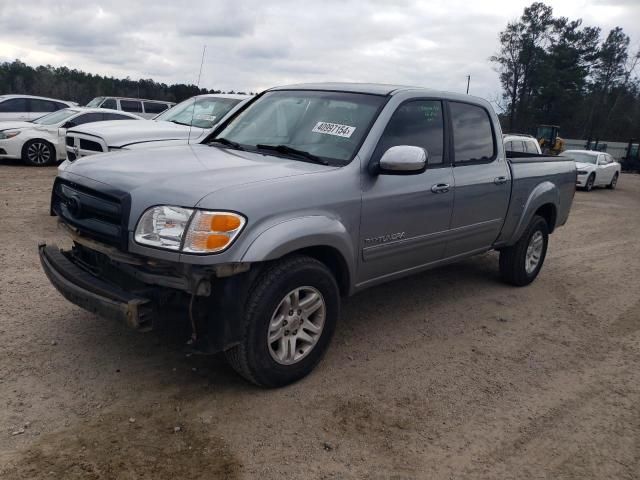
542, 194
298, 233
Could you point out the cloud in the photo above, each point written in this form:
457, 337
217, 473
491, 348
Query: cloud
252, 44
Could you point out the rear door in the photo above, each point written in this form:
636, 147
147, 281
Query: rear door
482, 181
404, 222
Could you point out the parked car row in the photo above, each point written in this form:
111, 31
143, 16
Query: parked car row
594, 169
69, 131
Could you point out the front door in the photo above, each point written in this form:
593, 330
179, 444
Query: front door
405, 222
482, 181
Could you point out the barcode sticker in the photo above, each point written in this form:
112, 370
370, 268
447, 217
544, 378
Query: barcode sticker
334, 129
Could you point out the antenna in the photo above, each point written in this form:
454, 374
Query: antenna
193, 108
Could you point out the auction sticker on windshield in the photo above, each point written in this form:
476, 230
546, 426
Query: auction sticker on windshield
334, 129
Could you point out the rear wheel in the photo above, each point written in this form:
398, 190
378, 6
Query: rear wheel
614, 182
290, 317
590, 181
38, 153
521, 263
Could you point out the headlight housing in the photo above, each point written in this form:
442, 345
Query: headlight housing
582, 172
6, 134
188, 230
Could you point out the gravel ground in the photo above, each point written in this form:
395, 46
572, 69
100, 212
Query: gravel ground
449, 374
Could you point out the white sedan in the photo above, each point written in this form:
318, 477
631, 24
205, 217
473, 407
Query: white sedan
41, 141
595, 169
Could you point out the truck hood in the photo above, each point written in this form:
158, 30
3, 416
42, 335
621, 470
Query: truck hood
182, 175
120, 133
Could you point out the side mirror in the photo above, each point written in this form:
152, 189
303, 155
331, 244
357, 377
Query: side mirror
403, 160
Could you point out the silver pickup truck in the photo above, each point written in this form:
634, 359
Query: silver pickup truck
307, 194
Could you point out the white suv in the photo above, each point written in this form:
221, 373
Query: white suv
139, 106
27, 107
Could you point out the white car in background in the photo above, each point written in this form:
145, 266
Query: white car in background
595, 169
41, 141
188, 122
521, 143
28, 107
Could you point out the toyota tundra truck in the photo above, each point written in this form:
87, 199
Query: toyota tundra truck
307, 194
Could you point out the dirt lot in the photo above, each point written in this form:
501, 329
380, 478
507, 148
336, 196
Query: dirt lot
449, 374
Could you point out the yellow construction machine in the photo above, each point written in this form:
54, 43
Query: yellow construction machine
549, 140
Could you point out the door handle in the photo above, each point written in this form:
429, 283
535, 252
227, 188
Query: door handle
440, 188
500, 180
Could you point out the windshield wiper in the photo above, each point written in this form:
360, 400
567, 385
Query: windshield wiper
286, 149
227, 142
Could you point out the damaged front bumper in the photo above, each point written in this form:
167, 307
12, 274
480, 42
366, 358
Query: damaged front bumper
93, 294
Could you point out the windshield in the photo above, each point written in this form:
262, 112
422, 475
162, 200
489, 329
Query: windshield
95, 102
56, 117
328, 125
207, 111
581, 157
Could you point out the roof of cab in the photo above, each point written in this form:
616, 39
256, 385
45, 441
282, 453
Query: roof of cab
380, 89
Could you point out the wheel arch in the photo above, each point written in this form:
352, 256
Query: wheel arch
39, 139
323, 238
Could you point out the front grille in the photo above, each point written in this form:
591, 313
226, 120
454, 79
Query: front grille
90, 145
96, 214
70, 141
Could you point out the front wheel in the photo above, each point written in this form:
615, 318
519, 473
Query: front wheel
521, 263
590, 181
38, 153
290, 317
614, 182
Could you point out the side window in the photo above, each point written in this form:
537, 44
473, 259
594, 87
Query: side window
472, 133
60, 106
154, 107
131, 106
86, 118
418, 123
109, 103
115, 116
13, 105
42, 105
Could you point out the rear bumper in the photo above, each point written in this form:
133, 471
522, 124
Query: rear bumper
93, 294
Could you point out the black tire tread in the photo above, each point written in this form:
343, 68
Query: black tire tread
237, 356
510, 268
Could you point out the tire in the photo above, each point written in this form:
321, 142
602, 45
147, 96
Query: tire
268, 364
590, 181
614, 182
516, 262
38, 153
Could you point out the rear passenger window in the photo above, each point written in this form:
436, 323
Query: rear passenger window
42, 105
153, 107
109, 103
418, 123
131, 106
472, 133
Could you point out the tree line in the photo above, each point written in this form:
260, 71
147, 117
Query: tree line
75, 85
557, 71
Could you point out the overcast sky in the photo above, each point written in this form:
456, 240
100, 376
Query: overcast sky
252, 45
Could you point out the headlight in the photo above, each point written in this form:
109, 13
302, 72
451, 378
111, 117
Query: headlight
188, 230
8, 134
582, 172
